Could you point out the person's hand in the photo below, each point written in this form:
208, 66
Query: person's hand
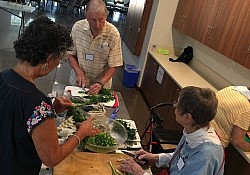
62, 103
86, 128
142, 154
130, 166
95, 89
81, 80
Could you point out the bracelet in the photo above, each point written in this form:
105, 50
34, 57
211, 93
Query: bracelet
99, 82
79, 141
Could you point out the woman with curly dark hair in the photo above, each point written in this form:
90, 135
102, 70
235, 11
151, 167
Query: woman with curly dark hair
28, 130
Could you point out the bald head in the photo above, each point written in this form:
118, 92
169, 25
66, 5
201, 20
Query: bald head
96, 6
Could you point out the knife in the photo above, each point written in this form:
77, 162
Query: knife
132, 154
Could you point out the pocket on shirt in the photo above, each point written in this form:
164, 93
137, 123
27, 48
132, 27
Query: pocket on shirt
105, 52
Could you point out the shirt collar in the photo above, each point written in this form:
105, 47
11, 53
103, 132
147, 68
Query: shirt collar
104, 32
200, 136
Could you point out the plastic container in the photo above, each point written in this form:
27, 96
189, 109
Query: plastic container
130, 75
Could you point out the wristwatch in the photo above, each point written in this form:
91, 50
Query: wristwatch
99, 82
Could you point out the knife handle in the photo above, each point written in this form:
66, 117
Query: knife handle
142, 161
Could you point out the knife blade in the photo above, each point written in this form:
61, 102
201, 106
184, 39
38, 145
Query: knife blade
132, 154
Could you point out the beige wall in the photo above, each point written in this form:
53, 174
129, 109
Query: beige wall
219, 70
159, 28
162, 28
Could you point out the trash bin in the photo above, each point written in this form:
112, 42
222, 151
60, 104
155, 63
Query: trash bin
130, 75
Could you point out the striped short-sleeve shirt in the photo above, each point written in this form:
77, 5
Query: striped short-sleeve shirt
96, 55
233, 109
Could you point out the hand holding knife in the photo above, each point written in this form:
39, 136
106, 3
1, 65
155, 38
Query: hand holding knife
132, 154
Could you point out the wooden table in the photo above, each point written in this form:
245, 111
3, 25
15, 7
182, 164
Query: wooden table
84, 163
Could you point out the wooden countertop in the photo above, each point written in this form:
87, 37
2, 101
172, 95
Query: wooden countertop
82, 163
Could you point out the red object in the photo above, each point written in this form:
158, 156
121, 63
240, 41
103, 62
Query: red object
163, 172
116, 104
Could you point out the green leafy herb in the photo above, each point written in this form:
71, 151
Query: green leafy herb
131, 131
101, 139
112, 168
77, 113
105, 95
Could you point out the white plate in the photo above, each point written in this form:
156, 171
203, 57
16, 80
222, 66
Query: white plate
131, 145
75, 91
133, 126
109, 103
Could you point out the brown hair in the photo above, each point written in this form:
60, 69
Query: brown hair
201, 103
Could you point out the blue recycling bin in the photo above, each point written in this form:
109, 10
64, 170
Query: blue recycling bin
130, 75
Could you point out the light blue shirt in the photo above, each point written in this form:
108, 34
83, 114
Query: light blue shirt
202, 154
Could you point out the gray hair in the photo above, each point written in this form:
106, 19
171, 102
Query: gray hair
96, 6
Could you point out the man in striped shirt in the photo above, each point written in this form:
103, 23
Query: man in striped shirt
232, 120
97, 49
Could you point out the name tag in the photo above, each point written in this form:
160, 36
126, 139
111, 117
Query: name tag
180, 164
89, 57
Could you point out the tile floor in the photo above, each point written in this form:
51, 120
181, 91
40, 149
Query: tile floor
8, 34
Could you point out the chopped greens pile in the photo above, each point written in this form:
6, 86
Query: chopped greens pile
105, 95
131, 131
77, 113
103, 139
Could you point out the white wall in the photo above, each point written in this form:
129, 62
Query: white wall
219, 70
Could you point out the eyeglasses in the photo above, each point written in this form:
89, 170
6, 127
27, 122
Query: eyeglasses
175, 106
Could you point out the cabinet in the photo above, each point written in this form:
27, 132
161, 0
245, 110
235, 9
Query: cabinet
240, 47
235, 163
155, 93
223, 25
187, 15
205, 30
150, 87
136, 24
